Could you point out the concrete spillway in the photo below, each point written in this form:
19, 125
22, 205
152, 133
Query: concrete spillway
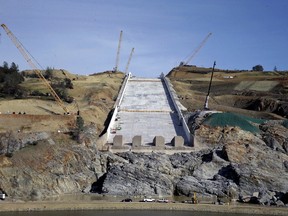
146, 95
146, 109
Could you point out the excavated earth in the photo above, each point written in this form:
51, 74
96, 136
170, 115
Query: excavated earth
227, 163
257, 94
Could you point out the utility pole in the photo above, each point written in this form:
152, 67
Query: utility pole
207, 96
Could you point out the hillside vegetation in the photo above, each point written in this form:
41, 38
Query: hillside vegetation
240, 155
93, 96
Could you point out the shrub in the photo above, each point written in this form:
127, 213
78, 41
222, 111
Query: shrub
258, 68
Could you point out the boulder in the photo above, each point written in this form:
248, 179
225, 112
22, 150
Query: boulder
189, 184
265, 198
279, 203
285, 146
273, 143
132, 180
285, 164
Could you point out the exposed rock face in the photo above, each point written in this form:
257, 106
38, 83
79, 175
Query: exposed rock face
140, 175
57, 171
13, 141
233, 164
269, 105
37, 165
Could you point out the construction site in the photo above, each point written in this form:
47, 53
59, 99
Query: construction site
152, 120
147, 116
134, 113
212, 134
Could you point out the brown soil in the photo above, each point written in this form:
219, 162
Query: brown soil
234, 91
95, 96
98, 205
244, 92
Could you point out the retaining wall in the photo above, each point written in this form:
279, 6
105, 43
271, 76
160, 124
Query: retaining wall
180, 115
117, 104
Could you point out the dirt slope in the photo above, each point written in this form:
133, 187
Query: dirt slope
257, 94
94, 96
234, 161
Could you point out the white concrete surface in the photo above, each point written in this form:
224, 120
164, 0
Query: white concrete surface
141, 95
146, 110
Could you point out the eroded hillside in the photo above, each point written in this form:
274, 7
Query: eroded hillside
257, 94
93, 96
246, 161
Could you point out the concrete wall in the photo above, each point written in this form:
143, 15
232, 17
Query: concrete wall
122, 90
177, 142
118, 141
180, 115
117, 103
159, 142
102, 141
137, 141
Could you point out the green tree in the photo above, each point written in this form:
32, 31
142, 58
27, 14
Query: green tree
258, 68
79, 123
14, 67
68, 83
10, 79
4, 70
49, 73
62, 92
79, 128
5, 65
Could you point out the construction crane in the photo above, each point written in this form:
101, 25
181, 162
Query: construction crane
118, 52
209, 88
196, 50
129, 60
29, 58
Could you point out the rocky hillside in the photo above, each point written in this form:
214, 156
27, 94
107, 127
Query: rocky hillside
235, 164
246, 160
94, 96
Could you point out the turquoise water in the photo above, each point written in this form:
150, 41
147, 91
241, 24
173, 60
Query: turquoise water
117, 213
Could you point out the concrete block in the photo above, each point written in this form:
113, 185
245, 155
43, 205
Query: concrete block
159, 141
137, 141
118, 141
177, 141
256, 194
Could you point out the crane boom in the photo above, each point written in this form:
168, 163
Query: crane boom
118, 52
129, 60
29, 60
198, 49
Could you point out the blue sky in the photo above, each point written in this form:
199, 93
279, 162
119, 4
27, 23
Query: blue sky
82, 36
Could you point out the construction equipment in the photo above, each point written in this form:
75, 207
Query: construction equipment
29, 58
196, 50
209, 88
129, 60
118, 52
194, 198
